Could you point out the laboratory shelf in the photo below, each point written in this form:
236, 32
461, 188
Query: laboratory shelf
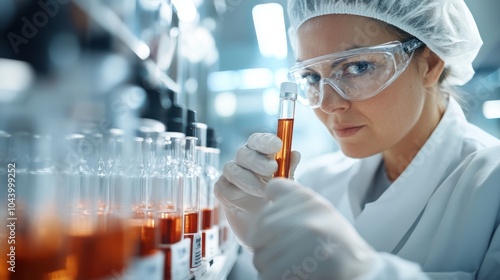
221, 265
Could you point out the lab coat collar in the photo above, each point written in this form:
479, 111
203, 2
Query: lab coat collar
385, 222
358, 186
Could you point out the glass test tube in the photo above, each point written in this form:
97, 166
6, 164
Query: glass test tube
206, 202
36, 247
213, 158
210, 236
168, 197
125, 180
148, 162
192, 217
167, 191
211, 174
191, 188
286, 114
100, 244
144, 222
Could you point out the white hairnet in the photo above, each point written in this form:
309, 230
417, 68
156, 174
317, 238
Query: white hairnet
445, 26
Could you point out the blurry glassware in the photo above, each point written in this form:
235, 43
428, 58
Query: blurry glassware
100, 243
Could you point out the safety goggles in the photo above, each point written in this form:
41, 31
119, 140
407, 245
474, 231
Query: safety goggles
355, 74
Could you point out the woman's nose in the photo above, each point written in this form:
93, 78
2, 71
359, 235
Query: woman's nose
332, 101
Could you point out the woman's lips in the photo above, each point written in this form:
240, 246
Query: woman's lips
346, 131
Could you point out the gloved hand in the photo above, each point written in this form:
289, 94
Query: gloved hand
240, 188
300, 235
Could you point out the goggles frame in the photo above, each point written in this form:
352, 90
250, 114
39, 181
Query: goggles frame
406, 48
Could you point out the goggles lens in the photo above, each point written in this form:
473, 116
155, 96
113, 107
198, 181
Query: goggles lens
355, 74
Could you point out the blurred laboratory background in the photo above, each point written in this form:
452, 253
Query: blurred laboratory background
89, 87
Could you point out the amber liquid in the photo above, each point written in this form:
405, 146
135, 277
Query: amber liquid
191, 227
203, 241
191, 222
39, 253
285, 132
147, 233
170, 228
98, 252
207, 218
168, 264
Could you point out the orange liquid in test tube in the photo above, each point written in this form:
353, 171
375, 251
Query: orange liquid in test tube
99, 253
207, 218
286, 115
39, 255
284, 132
191, 222
170, 228
147, 236
168, 263
145, 229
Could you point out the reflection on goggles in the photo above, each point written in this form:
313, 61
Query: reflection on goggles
355, 74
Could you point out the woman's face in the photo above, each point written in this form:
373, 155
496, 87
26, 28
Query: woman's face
362, 128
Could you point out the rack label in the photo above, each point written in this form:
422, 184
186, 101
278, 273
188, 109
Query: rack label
196, 249
180, 260
211, 242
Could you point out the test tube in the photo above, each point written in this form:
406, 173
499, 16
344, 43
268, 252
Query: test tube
100, 243
167, 190
192, 217
147, 163
168, 197
144, 222
210, 236
33, 243
286, 115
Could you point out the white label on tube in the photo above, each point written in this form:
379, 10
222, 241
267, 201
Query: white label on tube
195, 249
211, 242
180, 260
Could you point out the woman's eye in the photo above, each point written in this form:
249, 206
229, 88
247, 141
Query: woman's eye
311, 78
358, 68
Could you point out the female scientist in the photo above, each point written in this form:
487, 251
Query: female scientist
414, 192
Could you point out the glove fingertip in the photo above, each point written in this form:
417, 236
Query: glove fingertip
294, 162
296, 156
265, 143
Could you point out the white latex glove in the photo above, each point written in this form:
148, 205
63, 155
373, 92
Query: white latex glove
240, 188
300, 235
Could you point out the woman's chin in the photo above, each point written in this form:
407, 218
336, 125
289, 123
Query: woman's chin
354, 151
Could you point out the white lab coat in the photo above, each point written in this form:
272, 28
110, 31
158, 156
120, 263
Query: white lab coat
441, 213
